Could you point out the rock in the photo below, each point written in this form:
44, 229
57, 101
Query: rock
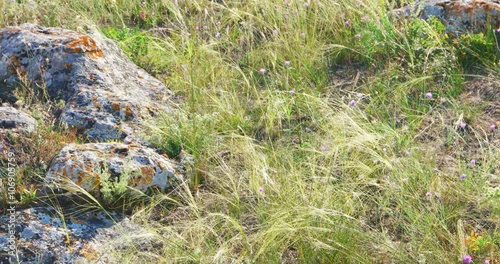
16, 121
40, 236
103, 167
458, 15
104, 91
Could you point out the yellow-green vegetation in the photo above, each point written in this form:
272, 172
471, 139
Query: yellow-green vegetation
321, 131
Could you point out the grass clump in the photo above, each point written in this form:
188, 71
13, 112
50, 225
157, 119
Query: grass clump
321, 132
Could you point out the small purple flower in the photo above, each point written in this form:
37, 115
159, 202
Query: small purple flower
197, 28
358, 36
407, 152
302, 34
463, 176
262, 71
292, 92
218, 23
352, 103
306, 4
365, 19
347, 22
428, 95
261, 189
286, 63
322, 148
428, 194
472, 162
493, 127
30, 3
217, 35
498, 30
275, 32
384, 149
467, 259
462, 125
342, 15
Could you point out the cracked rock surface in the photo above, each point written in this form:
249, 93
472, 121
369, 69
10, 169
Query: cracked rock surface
458, 15
41, 235
95, 166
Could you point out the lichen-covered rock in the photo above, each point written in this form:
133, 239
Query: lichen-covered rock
103, 90
41, 235
458, 15
14, 120
102, 168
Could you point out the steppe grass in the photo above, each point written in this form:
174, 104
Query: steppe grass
321, 131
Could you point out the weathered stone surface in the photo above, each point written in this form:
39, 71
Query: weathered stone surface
458, 15
17, 121
103, 90
93, 166
42, 236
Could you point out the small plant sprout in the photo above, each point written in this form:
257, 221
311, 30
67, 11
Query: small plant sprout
428, 95
286, 63
463, 176
467, 259
262, 71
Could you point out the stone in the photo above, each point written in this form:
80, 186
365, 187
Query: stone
13, 120
40, 237
105, 93
457, 15
96, 167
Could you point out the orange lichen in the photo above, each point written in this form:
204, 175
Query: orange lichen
145, 179
87, 45
115, 106
128, 111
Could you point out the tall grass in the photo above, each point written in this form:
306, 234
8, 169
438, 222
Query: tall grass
337, 157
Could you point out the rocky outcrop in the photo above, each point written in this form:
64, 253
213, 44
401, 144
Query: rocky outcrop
103, 167
106, 97
458, 15
104, 91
